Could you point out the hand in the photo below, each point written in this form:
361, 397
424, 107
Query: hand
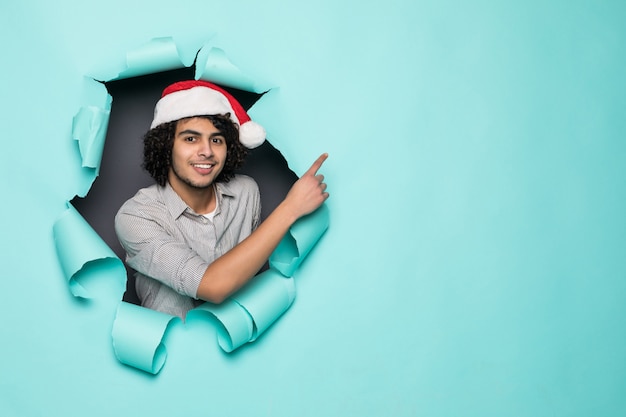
309, 192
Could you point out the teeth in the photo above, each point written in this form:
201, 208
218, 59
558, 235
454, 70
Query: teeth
205, 166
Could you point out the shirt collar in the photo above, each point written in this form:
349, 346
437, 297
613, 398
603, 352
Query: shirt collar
176, 206
225, 189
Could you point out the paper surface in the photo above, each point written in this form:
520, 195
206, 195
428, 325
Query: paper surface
244, 316
89, 128
213, 65
138, 332
160, 54
302, 236
78, 246
494, 282
249, 312
137, 337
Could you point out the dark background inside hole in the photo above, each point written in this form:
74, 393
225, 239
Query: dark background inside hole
121, 174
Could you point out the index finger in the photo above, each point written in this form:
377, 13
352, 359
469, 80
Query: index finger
317, 164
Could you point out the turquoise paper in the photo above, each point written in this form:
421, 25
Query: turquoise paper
237, 327
213, 65
302, 236
78, 245
138, 332
475, 263
137, 337
160, 54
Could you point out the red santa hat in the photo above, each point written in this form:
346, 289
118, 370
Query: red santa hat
198, 98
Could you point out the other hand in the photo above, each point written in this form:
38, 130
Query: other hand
309, 192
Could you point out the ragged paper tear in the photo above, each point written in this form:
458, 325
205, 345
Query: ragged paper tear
138, 333
80, 248
300, 239
244, 316
138, 337
213, 65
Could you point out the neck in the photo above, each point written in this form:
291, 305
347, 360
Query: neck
200, 200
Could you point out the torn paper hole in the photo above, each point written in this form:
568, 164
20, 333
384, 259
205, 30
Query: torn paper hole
113, 174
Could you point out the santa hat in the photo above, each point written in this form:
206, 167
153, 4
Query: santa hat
200, 98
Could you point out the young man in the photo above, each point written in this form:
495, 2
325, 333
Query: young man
195, 236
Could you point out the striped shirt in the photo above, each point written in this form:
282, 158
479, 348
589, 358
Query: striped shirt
170, 246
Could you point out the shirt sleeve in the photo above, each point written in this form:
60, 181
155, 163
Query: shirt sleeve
256, 215
165, 248
156, 252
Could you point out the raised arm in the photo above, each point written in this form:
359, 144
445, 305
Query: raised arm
236, 267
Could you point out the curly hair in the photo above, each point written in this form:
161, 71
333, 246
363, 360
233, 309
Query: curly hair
159, 141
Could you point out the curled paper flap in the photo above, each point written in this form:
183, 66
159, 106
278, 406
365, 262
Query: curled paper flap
246, 315
138, 332
213, 65
190, 43
297, 244
89, 129
95, 94
254, 308
237, 326
266, 298
76, 254
138, 337
159, 54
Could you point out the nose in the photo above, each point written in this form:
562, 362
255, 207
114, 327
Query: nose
204, 148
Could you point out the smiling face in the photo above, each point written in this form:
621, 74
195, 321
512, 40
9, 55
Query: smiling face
198, 155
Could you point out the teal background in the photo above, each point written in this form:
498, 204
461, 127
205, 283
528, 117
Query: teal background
474, 264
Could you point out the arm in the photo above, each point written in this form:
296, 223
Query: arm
236, 267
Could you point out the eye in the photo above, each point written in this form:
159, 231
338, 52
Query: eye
218, 140
189, 138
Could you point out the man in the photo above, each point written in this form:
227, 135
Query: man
195, 236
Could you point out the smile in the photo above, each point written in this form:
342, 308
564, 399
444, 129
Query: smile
203, 166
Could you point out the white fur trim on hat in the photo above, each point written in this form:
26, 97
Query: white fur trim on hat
196, 101
198, 98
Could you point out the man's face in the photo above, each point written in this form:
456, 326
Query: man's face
198, 154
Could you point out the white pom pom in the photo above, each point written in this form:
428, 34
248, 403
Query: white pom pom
251, 134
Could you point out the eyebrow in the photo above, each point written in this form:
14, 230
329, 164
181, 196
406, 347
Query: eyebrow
196, 133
